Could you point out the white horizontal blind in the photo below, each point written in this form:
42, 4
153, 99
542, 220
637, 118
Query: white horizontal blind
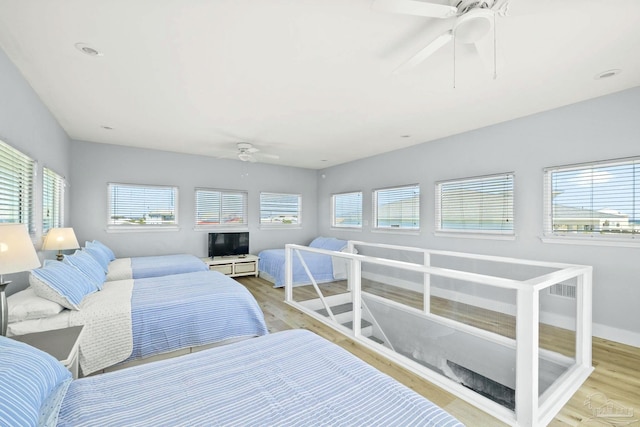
600, 199
476, 205
136, 206
347, 210
52, 200
221, 208
280, 209
16, 187
397, 208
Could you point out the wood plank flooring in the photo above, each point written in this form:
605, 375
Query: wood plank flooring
615, 380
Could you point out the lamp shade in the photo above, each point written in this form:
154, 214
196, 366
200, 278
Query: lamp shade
60, 239
17, 252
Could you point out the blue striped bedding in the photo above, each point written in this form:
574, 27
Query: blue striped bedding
289, 378
184, 310
164, 265
272, 262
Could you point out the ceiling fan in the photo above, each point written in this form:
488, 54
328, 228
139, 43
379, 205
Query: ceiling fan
248, 153
471, 21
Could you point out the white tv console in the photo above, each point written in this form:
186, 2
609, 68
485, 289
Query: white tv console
234, 265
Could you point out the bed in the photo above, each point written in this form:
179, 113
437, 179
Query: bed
323, 267
129, 320
141, 267
286, 378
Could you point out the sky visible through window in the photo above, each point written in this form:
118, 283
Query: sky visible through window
614, 188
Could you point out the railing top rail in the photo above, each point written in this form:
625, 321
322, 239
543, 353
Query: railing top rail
494, 258
438, 271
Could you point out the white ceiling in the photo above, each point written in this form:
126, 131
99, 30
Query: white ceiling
308, 80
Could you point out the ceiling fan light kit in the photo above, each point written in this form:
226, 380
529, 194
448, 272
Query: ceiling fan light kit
472, 21
473, 25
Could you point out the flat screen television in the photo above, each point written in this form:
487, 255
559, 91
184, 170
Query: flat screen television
228, 244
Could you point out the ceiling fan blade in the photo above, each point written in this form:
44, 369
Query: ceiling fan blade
270, 156
426, 51
252, 159
415, 7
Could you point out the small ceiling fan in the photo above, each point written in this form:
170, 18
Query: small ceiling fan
248, 153
471, 21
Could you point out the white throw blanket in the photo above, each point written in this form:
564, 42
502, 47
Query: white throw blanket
120, 269
107, 336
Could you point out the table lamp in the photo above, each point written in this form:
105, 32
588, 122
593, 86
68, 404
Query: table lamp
60, 239
17, 254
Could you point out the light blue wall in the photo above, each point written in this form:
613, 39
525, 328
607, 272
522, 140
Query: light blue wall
603, 128
27, 125
95, 165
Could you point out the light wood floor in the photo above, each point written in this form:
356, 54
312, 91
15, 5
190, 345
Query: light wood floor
616, 377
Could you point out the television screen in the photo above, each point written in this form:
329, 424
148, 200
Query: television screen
228, 244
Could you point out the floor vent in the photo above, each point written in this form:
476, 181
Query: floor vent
563, 290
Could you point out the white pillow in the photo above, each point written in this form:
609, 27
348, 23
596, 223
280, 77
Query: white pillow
26, 305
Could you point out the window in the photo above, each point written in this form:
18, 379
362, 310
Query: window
52, 200
598, 200
280, 209
476, 205
142, 206
220, 208
347, 210
397, 208
16, 187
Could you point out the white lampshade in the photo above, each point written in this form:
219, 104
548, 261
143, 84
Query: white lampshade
17, 252
60, 239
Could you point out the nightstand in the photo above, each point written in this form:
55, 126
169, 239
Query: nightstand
60, 343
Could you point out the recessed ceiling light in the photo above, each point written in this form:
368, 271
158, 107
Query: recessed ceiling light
405, 136
107, 127
607, 74
87, 50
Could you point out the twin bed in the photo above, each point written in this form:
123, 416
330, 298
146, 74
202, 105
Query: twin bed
286, 378
132, 319
323, 267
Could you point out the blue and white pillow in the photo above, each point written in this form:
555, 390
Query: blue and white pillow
33, 385
61, 283
88, 266
99, 256
102, 247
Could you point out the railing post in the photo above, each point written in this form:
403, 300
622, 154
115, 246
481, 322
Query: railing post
527, 332
288, 275
583, 318
427, 285
355, 276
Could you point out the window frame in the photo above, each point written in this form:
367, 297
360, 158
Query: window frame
244, 225
171, 226
20, 172
593, 236
468, 183
399, 229
334, 203
55, 189
281, 225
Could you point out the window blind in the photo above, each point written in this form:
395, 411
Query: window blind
52, 200
478, 205
600, 199
16, 187
137, 206
397, 208
280, 209
347, 210
220, 208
